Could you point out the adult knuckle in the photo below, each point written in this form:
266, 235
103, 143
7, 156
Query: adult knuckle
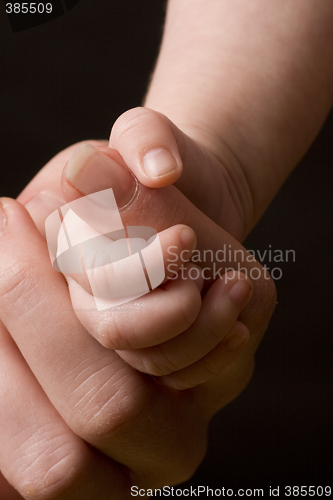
17, 283
45, 482
93, 415
100, 425
159, 363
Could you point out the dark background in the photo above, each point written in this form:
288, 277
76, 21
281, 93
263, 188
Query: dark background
68, 80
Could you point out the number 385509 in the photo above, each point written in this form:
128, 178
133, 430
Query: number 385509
28, 8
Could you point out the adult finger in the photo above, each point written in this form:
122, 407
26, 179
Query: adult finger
7, 491
43, 194
39, 455
103, 400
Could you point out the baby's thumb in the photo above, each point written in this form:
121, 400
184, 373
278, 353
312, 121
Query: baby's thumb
148, 143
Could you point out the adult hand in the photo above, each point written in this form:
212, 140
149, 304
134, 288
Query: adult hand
86, 393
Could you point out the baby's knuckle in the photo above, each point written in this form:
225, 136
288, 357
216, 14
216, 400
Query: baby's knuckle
188, 307
159, 364
212, 328
212, 367
105, 333
181, 383
112, 332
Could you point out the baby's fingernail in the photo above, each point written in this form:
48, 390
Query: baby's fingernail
240, 292
91, 171
159, 162
236, 341
3, 219
41, 206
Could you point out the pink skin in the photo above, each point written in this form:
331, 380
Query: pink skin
87, 366
87, 371
209, 182
134, 334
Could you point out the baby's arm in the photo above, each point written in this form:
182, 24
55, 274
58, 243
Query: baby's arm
250, 84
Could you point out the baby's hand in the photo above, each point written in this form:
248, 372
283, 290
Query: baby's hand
155, 335
170, 332
207, 338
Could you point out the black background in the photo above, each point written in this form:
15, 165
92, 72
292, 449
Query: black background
68, 80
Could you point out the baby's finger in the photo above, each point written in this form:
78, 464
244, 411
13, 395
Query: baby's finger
213, 363
116, 271
220, 309
146, 321
146, 142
